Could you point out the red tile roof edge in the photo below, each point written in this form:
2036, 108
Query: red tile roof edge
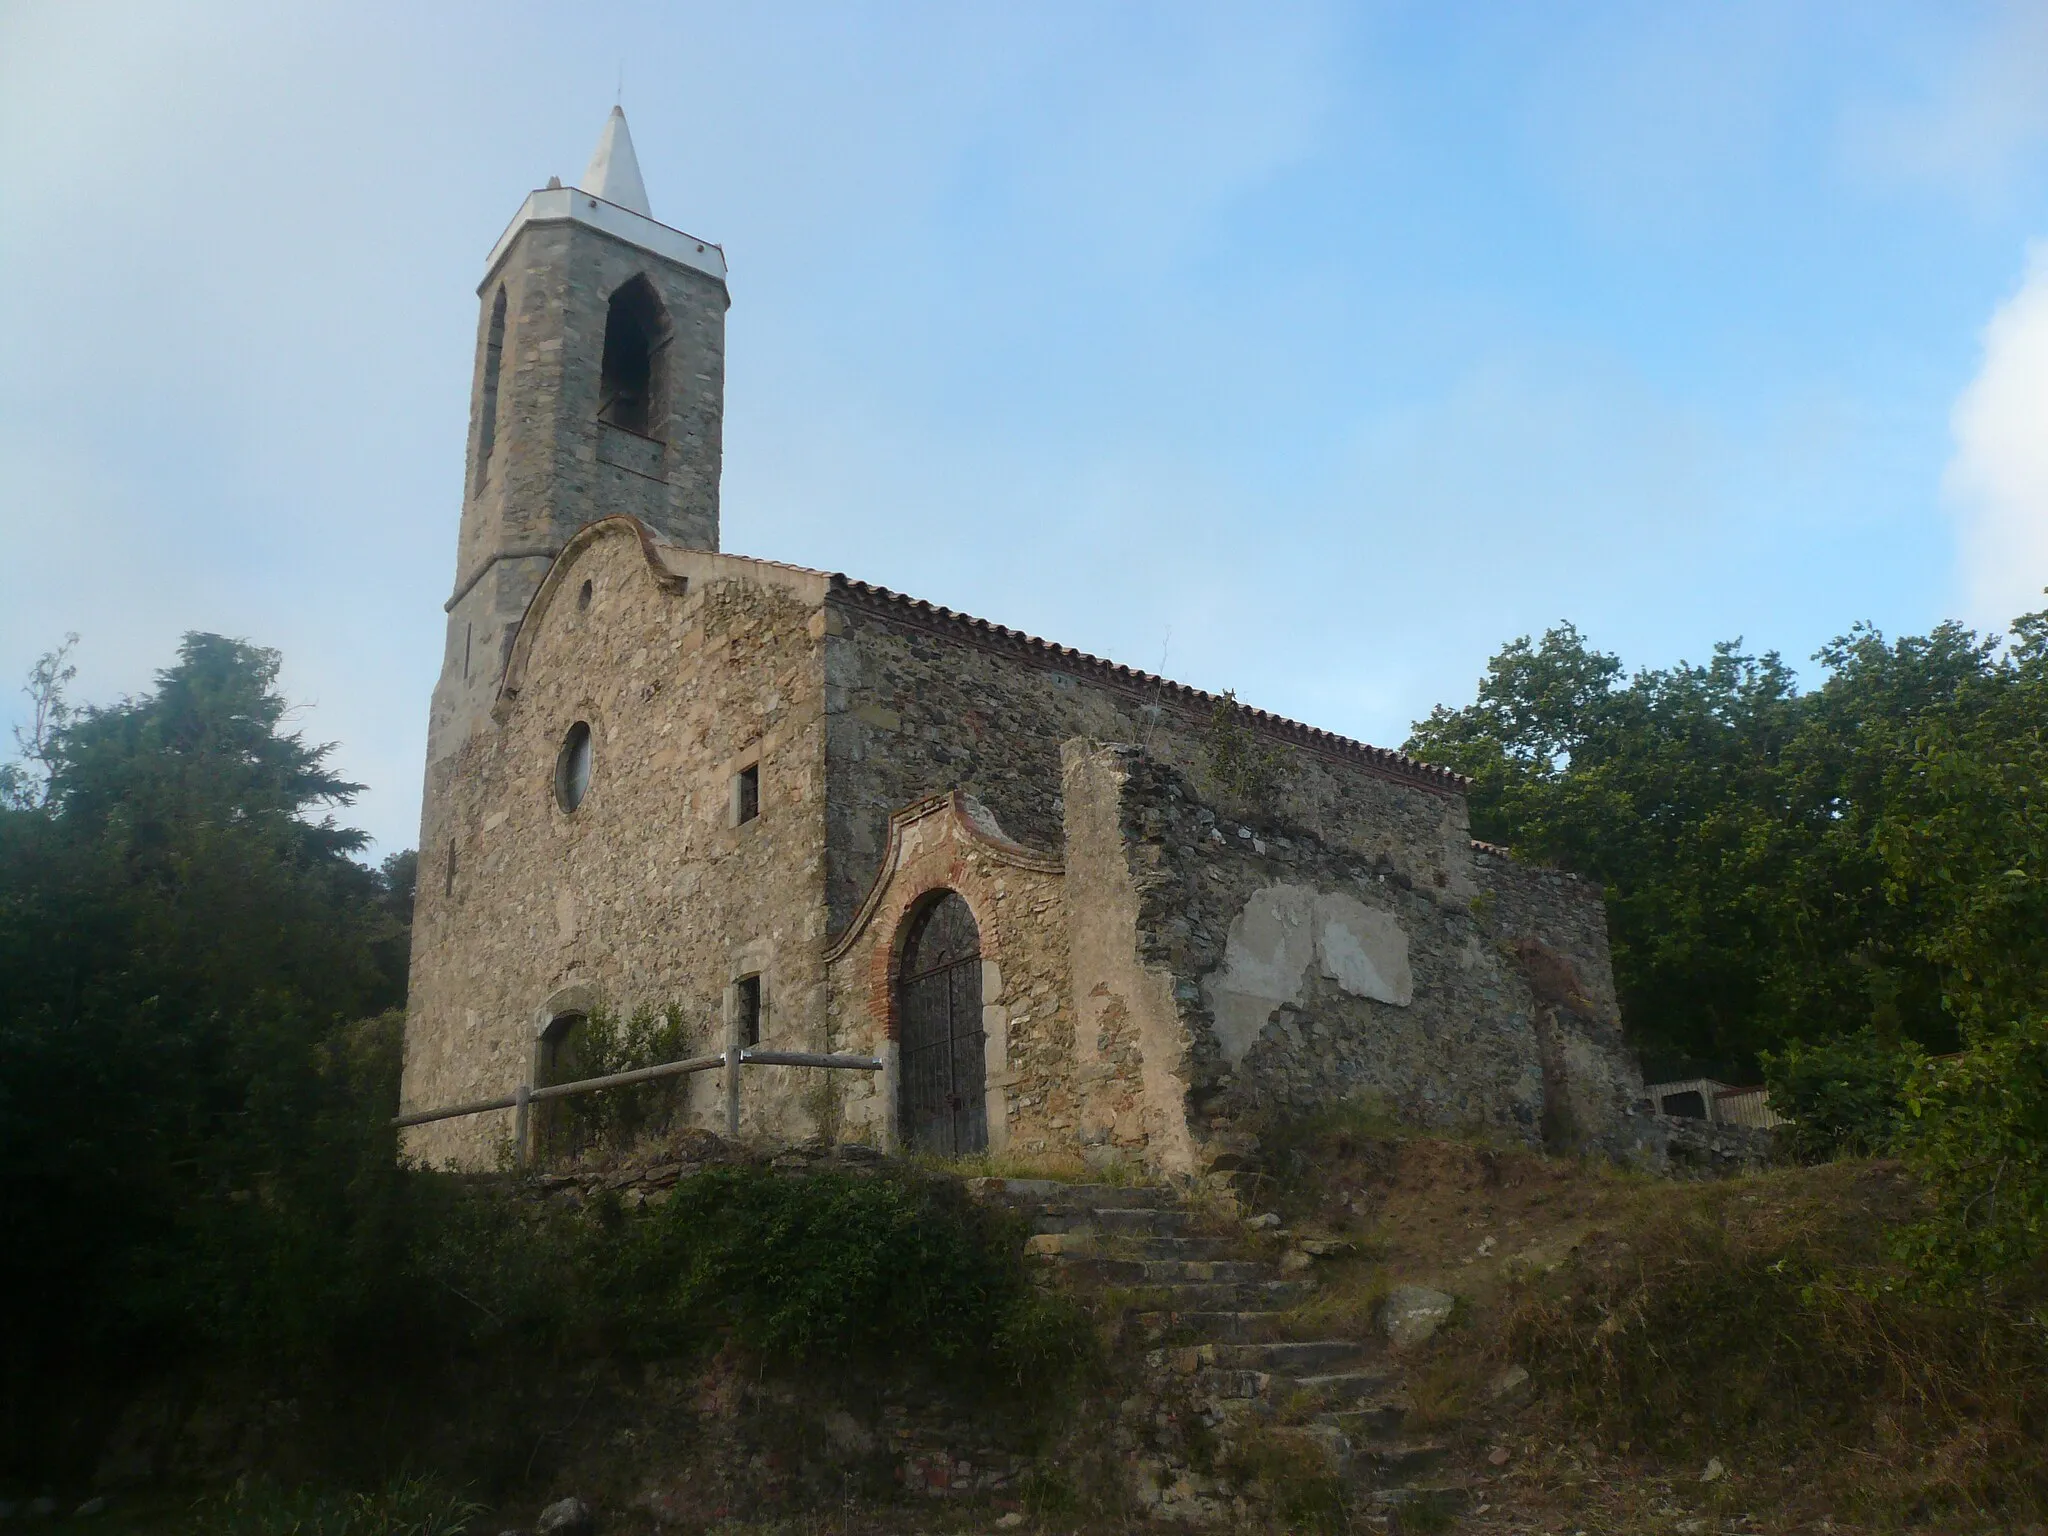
915, 612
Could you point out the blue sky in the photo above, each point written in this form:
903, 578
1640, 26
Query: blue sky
1319, 349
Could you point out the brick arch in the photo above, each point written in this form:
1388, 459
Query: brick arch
885, 969
945, 842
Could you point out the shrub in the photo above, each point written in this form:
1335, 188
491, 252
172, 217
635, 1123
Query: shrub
1842, 1095
604, 1043
1975, 1129
835, 1270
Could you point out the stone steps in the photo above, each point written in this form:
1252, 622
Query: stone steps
1382, 1423
1229, 1384
1225, 1327
1286, 1357
1172, 1272
1292, 1356
1345, 1388
1218, 1325
1137, 1220
1436, 1502
1088, 1243
1052, 1195
1401, 1463
1231, 1296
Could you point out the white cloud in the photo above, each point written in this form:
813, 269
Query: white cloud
1997, 480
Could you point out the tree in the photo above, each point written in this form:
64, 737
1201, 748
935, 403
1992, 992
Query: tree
185, 944
1783, 866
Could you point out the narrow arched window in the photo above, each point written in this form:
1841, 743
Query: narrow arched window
632, 383
487, 401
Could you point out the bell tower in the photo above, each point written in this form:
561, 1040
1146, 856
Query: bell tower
599, 388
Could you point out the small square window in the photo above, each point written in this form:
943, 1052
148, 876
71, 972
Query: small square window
746, 1008
746, 794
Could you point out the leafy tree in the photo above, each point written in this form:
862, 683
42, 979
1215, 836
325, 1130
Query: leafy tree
1868, 856
185, 944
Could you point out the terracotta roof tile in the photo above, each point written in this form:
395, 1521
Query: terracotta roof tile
901, 609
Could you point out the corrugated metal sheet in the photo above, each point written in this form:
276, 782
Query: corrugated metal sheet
1703, 1098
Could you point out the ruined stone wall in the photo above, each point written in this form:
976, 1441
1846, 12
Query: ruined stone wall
1019, 903
919, 700
687, 667
1553, 927
1133, 1062
1304, 973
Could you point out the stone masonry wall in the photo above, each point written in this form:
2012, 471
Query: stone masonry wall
687, 667
918, 700
1132, 1063
1304, 973
554, 466
1553, 926
1018, 899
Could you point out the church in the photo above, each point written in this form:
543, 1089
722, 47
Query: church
1076, 912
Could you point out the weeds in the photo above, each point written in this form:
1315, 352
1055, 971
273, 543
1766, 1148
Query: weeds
405, 1506
1294, 1474
1765, 1314
605, 1042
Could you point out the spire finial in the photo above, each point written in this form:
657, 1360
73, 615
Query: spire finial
614, 171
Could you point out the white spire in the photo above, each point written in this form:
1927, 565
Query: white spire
614, 172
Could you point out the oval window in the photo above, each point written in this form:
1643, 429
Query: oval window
572, 767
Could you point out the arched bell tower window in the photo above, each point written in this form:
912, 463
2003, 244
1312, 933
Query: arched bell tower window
487, 400
632, 383
942, 1094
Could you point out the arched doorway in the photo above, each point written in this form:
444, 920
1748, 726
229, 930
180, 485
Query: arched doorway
559, 1060
942, 1095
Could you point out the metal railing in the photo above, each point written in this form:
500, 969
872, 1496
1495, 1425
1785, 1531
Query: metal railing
525, 1095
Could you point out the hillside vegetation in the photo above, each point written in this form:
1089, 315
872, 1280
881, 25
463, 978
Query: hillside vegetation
199, 988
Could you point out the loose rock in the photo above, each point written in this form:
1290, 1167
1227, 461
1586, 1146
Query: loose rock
566, 1517
1411, 1314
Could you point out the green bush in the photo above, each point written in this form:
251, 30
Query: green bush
606, 1042
1843, 1095
835, 1270
1975, 1130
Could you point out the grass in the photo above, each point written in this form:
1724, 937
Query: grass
1292, 1475
1345, 1303
1760, 1320
405, 1506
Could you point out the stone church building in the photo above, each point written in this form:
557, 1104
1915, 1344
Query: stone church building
1077, 911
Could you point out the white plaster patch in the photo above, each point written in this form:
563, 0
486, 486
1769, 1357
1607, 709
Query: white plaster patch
1363, 950
1274, 939
1264, 959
